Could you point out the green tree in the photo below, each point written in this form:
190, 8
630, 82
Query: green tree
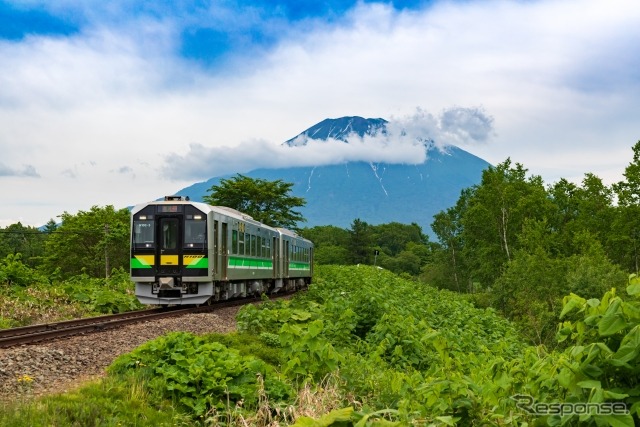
624, 241
269, 202
393, 237
494, 215
92, 242
360, 242
447, 269
330, 244
326, 235
28, 241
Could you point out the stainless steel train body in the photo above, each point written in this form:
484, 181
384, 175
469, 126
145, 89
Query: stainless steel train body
185, 252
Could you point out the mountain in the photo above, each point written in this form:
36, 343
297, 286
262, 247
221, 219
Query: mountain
374, 192
339, 129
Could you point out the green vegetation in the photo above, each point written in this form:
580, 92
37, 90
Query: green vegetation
365, 347
27, 298
60, 272
402, 248
266, 201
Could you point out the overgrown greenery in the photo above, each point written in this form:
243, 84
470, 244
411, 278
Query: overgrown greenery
385, 351
27, 297
434, 358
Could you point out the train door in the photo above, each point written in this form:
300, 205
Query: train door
169, 249
286, 259
224, 261
216, 255
276, 258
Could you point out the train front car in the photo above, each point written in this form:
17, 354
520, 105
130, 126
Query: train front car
170, 252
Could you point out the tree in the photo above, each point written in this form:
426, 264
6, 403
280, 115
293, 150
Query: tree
266, 201
447, 268
360, 249
494, 215
330, 244
625, 238
628, 191
92, 242
28, 241
394, 237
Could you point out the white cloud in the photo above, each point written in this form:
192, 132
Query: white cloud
25, 170
558, 77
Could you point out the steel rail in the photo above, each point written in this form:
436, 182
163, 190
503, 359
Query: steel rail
42, 332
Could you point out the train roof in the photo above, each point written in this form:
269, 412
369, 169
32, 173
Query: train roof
225, 210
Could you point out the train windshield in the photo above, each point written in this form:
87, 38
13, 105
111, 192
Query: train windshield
195, 233
143, 236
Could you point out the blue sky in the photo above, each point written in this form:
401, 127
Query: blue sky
120, 102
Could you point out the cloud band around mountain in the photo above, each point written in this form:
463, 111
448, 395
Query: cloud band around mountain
403, 142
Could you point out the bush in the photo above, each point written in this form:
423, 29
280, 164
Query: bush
201, 376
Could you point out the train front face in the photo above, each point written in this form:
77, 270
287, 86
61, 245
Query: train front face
170, 252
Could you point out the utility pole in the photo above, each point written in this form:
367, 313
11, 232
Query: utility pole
106, 253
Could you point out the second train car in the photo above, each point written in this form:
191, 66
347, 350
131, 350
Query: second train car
185, 252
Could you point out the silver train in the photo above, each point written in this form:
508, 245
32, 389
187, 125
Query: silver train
185, 252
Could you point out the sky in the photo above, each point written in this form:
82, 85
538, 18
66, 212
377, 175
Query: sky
122, 102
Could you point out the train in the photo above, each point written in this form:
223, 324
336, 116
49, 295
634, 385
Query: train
190, 253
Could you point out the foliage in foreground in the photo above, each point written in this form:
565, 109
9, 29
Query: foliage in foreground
436, 359
386, 350
28, 298
110, 402
202, 376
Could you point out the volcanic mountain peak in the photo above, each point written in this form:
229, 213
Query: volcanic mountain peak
340, 129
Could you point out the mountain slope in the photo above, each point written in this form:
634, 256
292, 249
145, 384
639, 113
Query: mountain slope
374, 192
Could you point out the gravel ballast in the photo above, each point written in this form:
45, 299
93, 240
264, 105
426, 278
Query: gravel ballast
62, 365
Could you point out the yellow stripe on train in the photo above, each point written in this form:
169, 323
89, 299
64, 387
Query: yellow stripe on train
169, 260
146, 259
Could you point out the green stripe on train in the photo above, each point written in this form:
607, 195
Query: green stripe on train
240, 262
136, 263
299, 266
196, 261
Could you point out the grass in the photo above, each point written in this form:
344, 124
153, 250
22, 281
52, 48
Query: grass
108, 402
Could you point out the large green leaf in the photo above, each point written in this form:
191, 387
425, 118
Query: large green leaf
614, 420
629, 347
613, 321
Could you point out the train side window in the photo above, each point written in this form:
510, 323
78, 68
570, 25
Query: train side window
263, 249
267, 243
253, 245
241, 244
234, 242
247, 244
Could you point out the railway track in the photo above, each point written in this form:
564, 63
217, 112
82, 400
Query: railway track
48, 331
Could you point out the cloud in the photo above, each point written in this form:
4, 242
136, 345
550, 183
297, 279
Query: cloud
26, 171
404, 141
124, 170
